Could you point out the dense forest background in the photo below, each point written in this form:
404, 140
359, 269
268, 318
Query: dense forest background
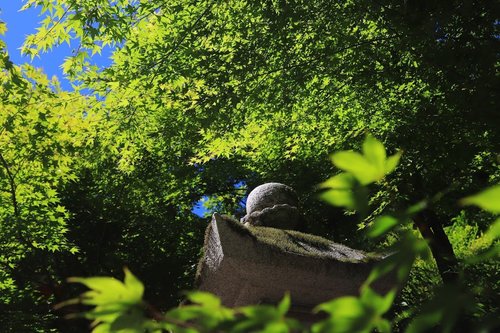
204, 100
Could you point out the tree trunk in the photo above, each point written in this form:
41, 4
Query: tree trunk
432, 231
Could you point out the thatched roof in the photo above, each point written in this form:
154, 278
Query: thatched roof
249, 265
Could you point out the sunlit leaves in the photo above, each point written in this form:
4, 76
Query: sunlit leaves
3, 28
117, 305
352, 314
381, 225
208, 315
106, 291
344, 191
488, 200
347, 314
204, 299
268, 318
370, 166
347, 189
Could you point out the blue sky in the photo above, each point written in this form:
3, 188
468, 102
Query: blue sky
20, 24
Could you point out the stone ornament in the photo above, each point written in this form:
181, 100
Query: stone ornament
256, 265
244, 263
272, 205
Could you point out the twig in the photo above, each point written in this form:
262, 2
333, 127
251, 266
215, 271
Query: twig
12, 185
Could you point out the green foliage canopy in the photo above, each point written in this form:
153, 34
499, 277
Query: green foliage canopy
43, 131
203, 95
267, 88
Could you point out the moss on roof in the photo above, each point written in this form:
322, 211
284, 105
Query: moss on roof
290, 241
295, 242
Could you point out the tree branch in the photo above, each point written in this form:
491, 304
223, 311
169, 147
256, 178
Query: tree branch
12, 185
12, 191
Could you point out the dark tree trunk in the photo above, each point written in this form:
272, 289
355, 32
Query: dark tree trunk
432, 231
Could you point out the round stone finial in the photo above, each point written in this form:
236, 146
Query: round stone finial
272, 205
270, 194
